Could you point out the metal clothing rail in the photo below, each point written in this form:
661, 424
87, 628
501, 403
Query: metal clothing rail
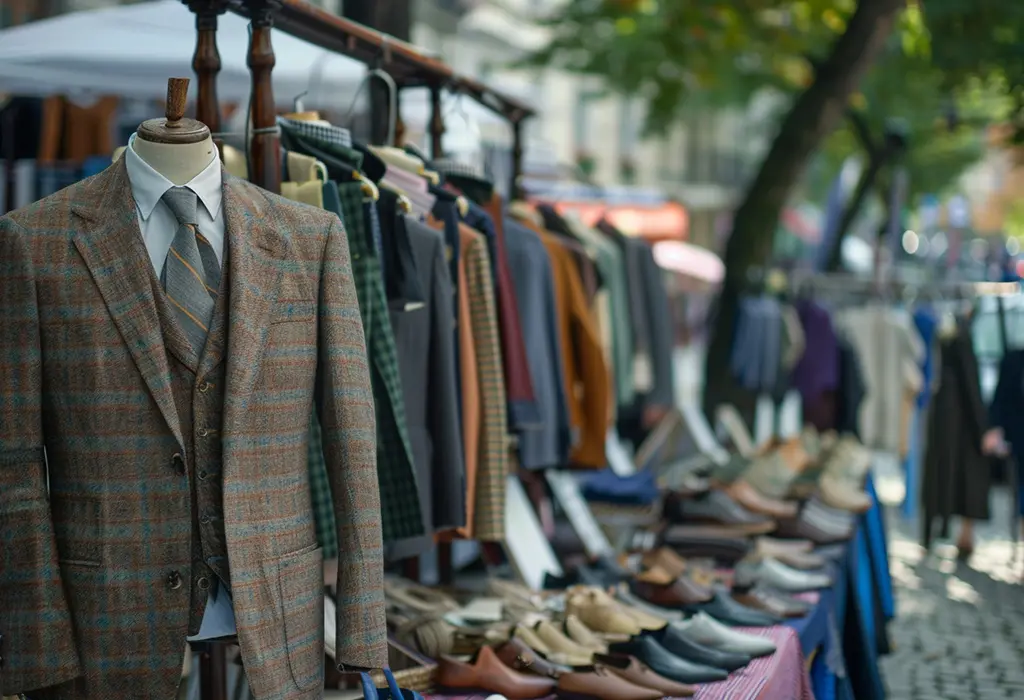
406, 64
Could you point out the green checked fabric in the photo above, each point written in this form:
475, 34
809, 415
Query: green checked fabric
320, 489
399, 497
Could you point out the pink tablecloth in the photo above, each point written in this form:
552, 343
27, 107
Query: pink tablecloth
781, 676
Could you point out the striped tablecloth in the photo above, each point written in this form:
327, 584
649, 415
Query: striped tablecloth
781, 676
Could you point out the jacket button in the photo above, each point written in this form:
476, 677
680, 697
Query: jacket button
203, 583
174, 580
179, 462
203, 432
205, 520
203, 474
204, 387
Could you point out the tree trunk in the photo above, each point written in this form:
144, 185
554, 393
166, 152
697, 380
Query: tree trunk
852, 208
814, 114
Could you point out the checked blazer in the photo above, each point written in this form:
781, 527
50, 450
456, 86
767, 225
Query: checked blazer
94, 570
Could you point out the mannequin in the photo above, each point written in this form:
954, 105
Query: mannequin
171, 481
177, 148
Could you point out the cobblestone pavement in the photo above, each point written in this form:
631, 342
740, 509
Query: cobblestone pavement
959, 631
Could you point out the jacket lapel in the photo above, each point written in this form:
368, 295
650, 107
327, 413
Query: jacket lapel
255, 264
112, 247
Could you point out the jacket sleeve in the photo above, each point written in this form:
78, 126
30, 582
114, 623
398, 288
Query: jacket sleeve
38, 645
445, 430
345, 407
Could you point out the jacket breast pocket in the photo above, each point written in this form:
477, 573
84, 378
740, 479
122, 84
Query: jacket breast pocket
293, 311
300, 579
76, 524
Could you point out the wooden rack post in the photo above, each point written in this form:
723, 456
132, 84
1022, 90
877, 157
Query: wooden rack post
436, 122
264, 155
206, 61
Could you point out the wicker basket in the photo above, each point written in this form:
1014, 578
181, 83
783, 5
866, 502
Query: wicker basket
412, 670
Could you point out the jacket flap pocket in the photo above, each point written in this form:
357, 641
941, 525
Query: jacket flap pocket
301, 582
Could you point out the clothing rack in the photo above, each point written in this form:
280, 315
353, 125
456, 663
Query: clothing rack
407, 65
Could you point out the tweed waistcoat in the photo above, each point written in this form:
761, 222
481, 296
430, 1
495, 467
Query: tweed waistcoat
198, 388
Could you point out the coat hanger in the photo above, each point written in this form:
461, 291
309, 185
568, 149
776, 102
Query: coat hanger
404, 204
301, 115
385, 78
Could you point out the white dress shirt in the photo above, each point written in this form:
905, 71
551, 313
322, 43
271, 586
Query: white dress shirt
159, 226
156, 222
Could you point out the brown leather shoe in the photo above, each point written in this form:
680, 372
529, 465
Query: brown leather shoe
602, 684
658, 587
665, 559
486, 673
748, 497
516, 655
638, 673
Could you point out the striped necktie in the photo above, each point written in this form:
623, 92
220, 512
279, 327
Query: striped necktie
191, 274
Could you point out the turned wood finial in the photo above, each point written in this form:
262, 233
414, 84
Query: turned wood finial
174, 128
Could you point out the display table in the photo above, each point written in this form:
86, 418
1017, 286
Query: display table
781, 675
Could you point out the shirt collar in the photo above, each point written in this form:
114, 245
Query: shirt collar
148, 186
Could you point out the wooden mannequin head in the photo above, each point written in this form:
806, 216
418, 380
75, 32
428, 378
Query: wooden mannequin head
176, 147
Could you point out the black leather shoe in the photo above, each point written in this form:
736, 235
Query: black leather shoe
679, 644
727, 611
667, 664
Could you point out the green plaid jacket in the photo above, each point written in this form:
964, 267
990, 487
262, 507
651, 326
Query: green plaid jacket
402, 516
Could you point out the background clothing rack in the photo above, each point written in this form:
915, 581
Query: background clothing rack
409, 67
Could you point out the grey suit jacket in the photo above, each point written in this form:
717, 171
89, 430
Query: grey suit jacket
548, 444
426, 362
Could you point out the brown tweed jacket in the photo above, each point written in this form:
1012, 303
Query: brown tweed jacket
91, 572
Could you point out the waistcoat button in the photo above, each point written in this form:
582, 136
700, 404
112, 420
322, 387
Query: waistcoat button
203, 432
203, 583
178, 462
204, 387
203, 474
174, 580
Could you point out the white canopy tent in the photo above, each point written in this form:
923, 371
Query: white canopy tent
131, 50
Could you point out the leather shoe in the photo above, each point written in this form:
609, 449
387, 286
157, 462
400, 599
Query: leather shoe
772, 603
667, 664
485, 672
748, 497
516, 655
684, 647
561, 645
659, 588
628, 599
598, 614
717, 508
839, 495
583, 635
772, 573
701, 541
732, 612
709, 632
634, 671
790, 557
600, 683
